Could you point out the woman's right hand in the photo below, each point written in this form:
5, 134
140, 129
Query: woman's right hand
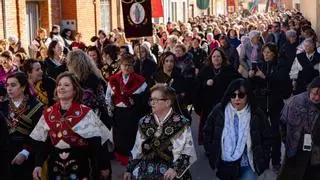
127, 176
37, 173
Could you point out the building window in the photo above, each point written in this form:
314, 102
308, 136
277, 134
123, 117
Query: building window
173, 11
32, 16
184, 11
105, 15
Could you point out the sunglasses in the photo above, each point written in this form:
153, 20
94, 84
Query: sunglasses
240, 95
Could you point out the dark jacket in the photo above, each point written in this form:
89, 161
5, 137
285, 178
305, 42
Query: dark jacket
282, 39
199, 57
48, 85
52, 70
146, 68
260, 137
271, 91
232, 56
208, 96
308, 72
4, 148
177, 82
287, 53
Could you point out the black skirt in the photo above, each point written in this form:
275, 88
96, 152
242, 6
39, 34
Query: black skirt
124, 130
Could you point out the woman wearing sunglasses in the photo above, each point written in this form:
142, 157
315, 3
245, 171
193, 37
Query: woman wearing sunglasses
235, 135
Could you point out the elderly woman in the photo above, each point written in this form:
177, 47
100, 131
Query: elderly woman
126, 98
75, 133
301, 117
211, 84
236, 135
287, 52
164, 147
21, 112
251, 55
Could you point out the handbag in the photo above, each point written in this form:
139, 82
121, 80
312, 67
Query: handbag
228, 170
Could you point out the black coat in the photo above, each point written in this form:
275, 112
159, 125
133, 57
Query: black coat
146, 68
260, 137
282, 39
272, 90
178, 83
48, 85
232, 56
208, 96
52, 70
199, 57
4, 149
308, 72
287, 54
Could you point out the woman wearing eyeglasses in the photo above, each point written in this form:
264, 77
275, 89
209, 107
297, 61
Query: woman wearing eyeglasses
126, 99
164, 147
236, 134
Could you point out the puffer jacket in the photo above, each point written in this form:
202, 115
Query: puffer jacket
260, 136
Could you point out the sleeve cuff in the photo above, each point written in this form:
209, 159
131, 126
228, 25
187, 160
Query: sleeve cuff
25, 153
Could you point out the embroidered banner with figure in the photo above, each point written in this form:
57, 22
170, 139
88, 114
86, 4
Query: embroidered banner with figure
137, 18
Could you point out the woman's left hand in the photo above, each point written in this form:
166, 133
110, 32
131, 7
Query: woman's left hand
170, 174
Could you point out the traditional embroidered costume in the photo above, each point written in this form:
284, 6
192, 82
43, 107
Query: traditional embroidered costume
76, 136
21, 119
125, 95
161, 145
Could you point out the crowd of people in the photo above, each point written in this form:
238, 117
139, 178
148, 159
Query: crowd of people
67, 108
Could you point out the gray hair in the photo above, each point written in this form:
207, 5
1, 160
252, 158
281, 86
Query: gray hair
173, 38
291, 33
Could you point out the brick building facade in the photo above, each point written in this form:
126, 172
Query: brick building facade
23, 17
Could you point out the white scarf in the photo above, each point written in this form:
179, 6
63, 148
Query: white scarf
232, 149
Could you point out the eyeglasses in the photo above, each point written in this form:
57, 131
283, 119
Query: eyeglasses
156, 100
240, 95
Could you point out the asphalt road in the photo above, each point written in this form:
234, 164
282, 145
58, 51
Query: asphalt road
200, 170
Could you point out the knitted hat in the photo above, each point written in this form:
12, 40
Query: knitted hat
315, 83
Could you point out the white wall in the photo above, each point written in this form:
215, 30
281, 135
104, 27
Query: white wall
167, 8
311, 10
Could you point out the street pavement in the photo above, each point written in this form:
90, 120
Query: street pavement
200, 170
